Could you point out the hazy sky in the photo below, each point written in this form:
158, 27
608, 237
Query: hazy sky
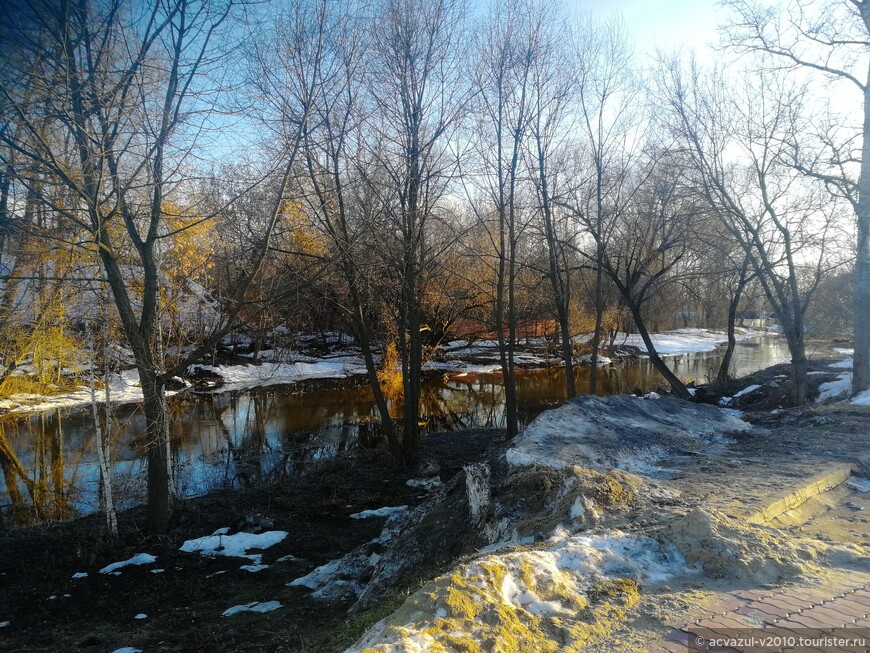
667, 24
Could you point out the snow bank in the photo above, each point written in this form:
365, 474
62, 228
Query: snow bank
234, 546
266, 606
572, 587
606, 433
684, 341
240, 377
835, 389
138, 559
124, 389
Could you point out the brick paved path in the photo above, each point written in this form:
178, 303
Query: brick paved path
782, 608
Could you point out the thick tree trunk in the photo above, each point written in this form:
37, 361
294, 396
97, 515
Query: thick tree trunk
677, 386
411, 437
861, 360
160, 489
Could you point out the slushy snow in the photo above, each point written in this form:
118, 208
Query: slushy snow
267, 606
380, 512
138, 559
234, 546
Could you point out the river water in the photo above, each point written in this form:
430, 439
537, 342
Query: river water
242, 438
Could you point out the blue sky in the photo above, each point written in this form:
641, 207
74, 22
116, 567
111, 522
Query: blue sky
666, 24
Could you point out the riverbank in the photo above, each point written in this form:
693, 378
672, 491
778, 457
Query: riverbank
312, 360
321, 518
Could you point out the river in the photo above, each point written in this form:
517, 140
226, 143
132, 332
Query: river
242, 438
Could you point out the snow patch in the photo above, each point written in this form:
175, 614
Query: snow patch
141, 615
862, 398
79, 574
380, 512
427, 484
234, 546
835, 389
127, 649
546, 583
255, 606
747, 390
254, 568
860, 484
138, 559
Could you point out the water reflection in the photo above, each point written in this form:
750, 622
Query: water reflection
49, 460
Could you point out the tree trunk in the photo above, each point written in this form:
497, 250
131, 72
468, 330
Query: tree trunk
677, 386
799, 373
599, 314
157, 450
733, 305
861, 296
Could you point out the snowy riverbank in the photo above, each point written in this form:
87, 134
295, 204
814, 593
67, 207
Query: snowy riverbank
286, 367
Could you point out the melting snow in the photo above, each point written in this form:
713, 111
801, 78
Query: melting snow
234, 546
425, 483
747, 390
834, 389
141, 615
571, 563
266, 606
683, 341
138, 559
79, 574
860, 484
380, 512
254, 568
127, 649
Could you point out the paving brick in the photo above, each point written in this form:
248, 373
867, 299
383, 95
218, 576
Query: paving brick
730, 604
776, 609
751, 595
760, 616
829, 611
669, 647
852, 606
678, 637
804, 621
791, 604
726, 622
850, 612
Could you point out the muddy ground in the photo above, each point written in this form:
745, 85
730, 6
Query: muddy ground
47, 610
185, 602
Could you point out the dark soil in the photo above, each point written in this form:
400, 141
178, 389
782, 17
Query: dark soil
185, 602
777, 388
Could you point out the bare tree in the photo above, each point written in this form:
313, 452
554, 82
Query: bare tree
613, 124
417, 93
552, 94
331, 62
113, 98
831, 39
506, 50
737, 141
